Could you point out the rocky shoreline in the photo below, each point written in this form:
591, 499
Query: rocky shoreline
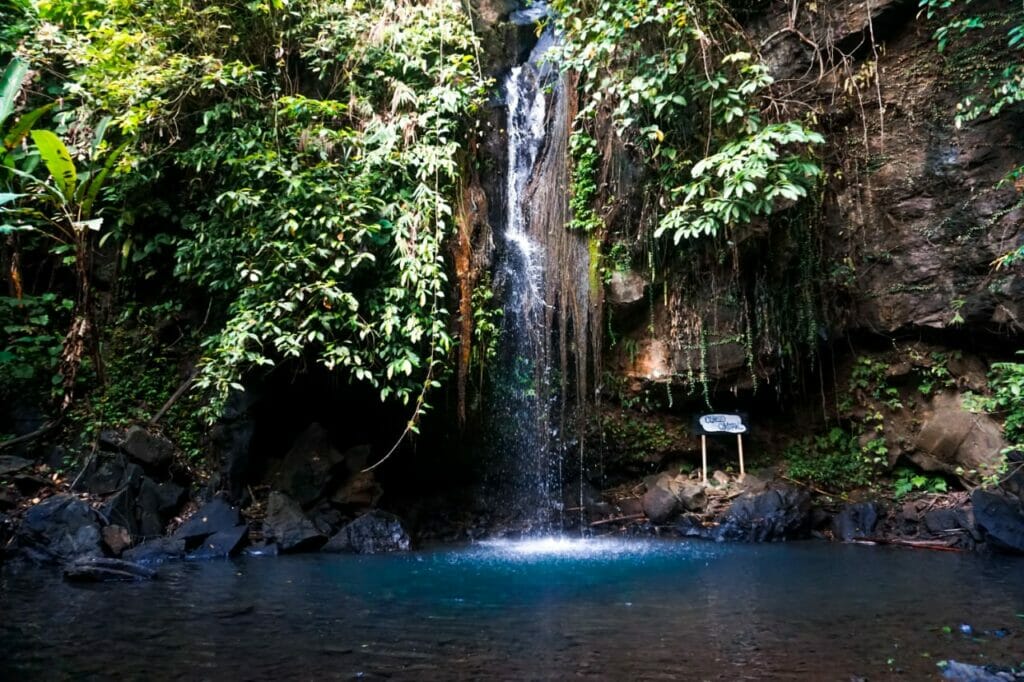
129, 509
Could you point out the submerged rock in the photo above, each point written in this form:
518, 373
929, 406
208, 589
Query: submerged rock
102, 569
965, 672
375, 532
1000, 520
221, 544
156, 551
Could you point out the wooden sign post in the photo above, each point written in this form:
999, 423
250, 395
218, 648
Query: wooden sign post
720, 423
704, 458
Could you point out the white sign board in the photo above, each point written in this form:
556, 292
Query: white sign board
722, 423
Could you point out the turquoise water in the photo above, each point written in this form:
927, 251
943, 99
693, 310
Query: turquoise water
542, 610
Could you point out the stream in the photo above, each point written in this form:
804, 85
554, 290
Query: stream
543, 609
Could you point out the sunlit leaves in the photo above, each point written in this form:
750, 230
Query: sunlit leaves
325, 218
690, 107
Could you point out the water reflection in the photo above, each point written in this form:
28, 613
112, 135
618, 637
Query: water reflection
544, 609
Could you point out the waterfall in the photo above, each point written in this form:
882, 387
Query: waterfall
549, 315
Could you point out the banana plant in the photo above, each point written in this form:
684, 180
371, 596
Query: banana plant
71, 194
60, 204
11, 137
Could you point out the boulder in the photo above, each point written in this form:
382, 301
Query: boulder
156, 504
213, 517
231, 438
782, 513
953, 438
103, 569
326, 518
372, 533
10, 464
107, 473
660, 502
943, 521
288, 526
667, 495
691, 495
221, 544
855, 521
1014, 483
9, 498
626, 288
150, 449
1000, 520
311, 468
116, 538
156, 551
144, 506
111, 438
58, 529
361, 491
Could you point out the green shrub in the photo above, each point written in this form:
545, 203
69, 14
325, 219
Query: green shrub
834, 461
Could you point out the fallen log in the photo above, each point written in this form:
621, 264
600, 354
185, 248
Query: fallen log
630, 517
916, 544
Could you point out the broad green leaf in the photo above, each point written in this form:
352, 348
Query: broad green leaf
10, 86
20, 129
96, 182
58, 161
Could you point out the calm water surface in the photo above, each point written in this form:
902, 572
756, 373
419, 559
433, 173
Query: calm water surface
544, 610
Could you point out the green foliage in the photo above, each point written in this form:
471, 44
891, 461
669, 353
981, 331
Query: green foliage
996, 85
633, 437
141, 375
1006, 382
834, 461
487, 316
999, 89
17, 18
934, 374
907, 480
326, 225
33, 337
318, 143
584, 190
691, 103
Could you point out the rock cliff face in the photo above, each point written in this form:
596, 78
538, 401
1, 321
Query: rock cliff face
892, 268
912, 217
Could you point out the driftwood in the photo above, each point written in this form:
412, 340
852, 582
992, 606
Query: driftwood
101, 569
916, 544
629, 517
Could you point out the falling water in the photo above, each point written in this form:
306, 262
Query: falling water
548, 311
